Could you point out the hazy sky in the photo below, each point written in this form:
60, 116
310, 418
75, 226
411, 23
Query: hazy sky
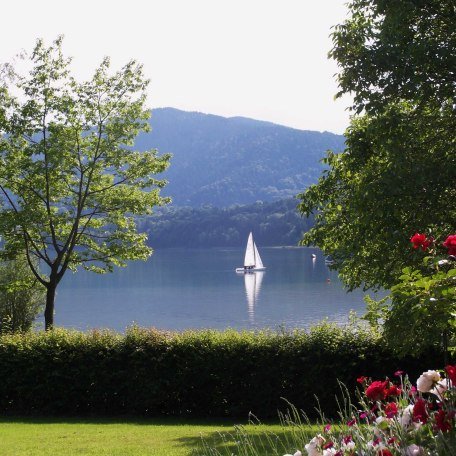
265, 59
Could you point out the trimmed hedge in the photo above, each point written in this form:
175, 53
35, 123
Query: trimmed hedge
194, 373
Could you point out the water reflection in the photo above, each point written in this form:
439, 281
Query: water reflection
252, 281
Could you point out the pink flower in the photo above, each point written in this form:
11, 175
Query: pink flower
399, 373
450, 244
347, 439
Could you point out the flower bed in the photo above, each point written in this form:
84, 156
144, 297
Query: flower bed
395, 418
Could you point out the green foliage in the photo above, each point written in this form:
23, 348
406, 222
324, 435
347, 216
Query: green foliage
22, 297
204, 373
276, 223
423, 307
401, 50
70, 182
397, 173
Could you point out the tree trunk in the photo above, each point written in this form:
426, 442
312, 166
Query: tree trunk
49, 309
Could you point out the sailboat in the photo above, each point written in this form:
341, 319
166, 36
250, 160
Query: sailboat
252, 259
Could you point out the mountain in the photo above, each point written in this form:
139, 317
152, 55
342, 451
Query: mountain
225, 161
274, 223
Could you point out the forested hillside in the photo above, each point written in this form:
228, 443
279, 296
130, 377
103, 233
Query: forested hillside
225, 161
276, 223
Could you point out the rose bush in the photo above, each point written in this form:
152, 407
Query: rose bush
421, 311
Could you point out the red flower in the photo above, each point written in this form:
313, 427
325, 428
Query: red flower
351, 423
361, 379
328, 445
376, 391
420, 240
384, 452
443, 421
347, 439
450, 244
419, 411
451, 373
391, 410
393, 390
399, 373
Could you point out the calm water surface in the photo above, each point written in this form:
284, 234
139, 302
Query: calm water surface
180, 289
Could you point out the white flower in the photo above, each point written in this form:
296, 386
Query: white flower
348, 446
440, 388
377, 446
313, 448
406, 416
427, 381
329, 452
414, 450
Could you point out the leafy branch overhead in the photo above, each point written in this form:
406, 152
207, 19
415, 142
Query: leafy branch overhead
70, 182
397, 173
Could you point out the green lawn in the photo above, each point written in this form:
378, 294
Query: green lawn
43, 437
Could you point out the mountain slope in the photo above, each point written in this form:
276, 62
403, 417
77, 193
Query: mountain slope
224, 161
275, 223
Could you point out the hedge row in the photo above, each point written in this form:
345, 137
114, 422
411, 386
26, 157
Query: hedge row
203, 373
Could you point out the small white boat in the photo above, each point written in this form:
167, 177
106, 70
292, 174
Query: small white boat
329, 260
252, 259
313, 256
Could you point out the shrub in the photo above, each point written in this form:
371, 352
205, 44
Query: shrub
22, 297
194, 373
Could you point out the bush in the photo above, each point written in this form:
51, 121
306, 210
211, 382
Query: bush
194, 373
22, 297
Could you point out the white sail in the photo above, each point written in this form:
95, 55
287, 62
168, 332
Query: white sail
249, 259
258, 262
252, 259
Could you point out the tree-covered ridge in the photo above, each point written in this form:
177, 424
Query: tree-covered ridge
224, 161
276, 223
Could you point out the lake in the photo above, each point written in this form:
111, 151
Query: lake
180, 289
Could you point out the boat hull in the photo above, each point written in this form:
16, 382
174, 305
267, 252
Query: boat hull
246, 271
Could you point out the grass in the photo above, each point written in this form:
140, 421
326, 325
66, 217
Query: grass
114, 437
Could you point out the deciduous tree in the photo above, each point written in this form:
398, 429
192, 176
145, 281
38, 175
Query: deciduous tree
70, 180
397, 175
